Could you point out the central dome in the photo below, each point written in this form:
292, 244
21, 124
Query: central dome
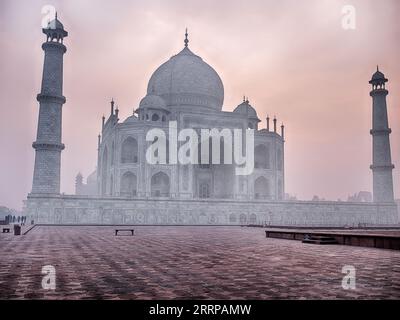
186, 80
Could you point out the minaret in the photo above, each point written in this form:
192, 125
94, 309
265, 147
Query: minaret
48, 145
382, 162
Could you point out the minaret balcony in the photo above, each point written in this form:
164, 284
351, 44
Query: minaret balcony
38, 145
52, 45
378, 92
50, 98
380, 132
382, 167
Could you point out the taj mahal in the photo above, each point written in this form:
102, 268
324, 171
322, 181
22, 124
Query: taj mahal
187, 92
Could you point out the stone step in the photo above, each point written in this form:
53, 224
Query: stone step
316, 239
320, 241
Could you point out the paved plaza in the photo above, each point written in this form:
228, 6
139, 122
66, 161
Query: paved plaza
188, 262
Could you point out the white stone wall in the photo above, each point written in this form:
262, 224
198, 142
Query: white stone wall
92, 210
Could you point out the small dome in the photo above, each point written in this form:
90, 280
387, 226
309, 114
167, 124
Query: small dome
152, 101
378, 77
246, 108
55, 27
132, 118
55, 24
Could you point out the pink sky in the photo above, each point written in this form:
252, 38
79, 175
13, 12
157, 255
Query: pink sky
292, 58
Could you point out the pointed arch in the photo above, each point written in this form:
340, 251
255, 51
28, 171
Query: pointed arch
253, 218
128, 187
204, 190
261, 188
129, 150
160, 185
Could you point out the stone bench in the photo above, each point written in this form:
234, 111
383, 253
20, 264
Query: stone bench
132, 231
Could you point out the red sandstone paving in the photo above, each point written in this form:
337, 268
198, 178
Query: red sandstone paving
188, 263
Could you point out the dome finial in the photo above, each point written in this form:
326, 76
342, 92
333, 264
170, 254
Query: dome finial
56, 15
377, 68
186, 38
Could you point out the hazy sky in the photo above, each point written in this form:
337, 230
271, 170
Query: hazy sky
292, 58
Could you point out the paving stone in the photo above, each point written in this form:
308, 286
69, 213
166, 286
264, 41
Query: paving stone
188, 263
